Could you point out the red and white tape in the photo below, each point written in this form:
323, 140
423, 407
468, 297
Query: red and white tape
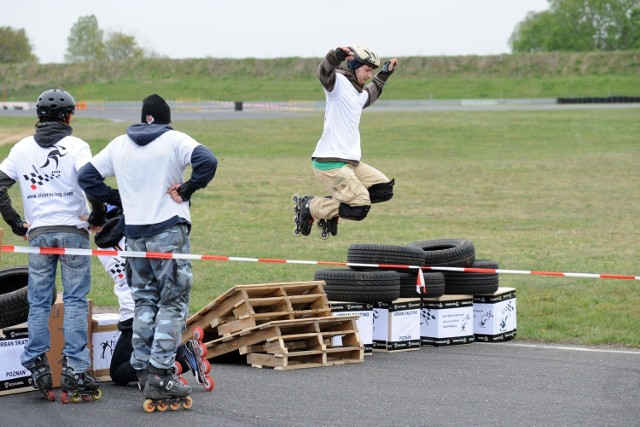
105, 252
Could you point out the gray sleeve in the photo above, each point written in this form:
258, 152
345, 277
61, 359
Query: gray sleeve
327, 70
374, 88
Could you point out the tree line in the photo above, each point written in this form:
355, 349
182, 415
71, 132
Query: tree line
567, 26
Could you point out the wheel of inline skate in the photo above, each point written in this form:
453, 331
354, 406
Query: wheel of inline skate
51, 396
198, 333
162, 407
206, 366
188, 403
148, 406
65, 398
178, 368
208, 383
183, 380
202, 350
97, 394
324, 235
174, 406
86, 398
76, 399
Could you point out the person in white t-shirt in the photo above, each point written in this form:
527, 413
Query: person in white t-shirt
149, 162
353, 184
46, 167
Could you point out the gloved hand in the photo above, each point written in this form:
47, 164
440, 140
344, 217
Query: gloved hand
186, 190
17, 226
341, 54
385, 68
97, 218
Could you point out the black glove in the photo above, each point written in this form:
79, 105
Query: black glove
341, 54
114, 198
98, 217
186, 190
17, 226
385, 69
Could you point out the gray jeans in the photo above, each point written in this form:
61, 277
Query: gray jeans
160, 289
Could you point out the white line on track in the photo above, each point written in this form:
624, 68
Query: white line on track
557, 347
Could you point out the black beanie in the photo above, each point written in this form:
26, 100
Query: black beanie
155, 110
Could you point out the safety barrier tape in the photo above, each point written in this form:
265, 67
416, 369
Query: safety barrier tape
135, 254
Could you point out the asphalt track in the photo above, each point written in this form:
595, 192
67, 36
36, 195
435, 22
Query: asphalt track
511, 383
484, 384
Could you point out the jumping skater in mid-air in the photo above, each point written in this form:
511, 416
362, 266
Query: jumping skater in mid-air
354, 185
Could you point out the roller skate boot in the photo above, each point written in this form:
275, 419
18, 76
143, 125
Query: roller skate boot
41, 378
142, 378
302, 219
328, 226
194, 354
78, 386
163, 389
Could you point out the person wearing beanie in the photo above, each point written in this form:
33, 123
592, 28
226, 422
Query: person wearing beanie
148, 163
346, 75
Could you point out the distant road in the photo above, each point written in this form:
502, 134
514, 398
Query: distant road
225, 110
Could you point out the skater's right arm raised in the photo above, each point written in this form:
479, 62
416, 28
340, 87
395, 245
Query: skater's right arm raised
327, 68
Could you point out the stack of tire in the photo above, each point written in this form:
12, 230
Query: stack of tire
459, 253
381, 273
14, 306
386, 281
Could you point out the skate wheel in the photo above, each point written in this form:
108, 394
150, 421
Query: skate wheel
174, 406
208, 383
183, 380
76, 398
202, 350
198, 333
324, 235
97, 394
187, 403
162, 407
148, 406
51, 396
206, 366
296, 232
178, 368
65, 398
86, 398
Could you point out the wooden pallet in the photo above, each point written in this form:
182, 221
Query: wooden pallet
246, 306
294, 344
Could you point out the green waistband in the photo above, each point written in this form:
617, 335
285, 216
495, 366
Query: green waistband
327, 165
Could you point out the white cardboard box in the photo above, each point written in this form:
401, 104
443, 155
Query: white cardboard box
364, 322
396, 325
494, 315
104, 337
14, 378
447, 320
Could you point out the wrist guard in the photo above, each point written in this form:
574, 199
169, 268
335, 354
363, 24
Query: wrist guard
17, 226
186, 190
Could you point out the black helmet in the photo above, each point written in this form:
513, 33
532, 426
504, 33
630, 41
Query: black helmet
55, 103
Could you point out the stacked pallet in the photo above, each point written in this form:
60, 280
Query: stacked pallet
278, 325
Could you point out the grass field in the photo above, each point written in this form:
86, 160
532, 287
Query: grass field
533, 190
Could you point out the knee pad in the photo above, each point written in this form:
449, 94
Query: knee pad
355, 213
381, 192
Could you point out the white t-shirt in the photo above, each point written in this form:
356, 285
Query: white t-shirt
144, 173
341, 136
48, 180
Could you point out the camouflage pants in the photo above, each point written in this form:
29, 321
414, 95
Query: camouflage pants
160, 289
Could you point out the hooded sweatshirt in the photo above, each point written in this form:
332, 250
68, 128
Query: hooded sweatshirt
146, 161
